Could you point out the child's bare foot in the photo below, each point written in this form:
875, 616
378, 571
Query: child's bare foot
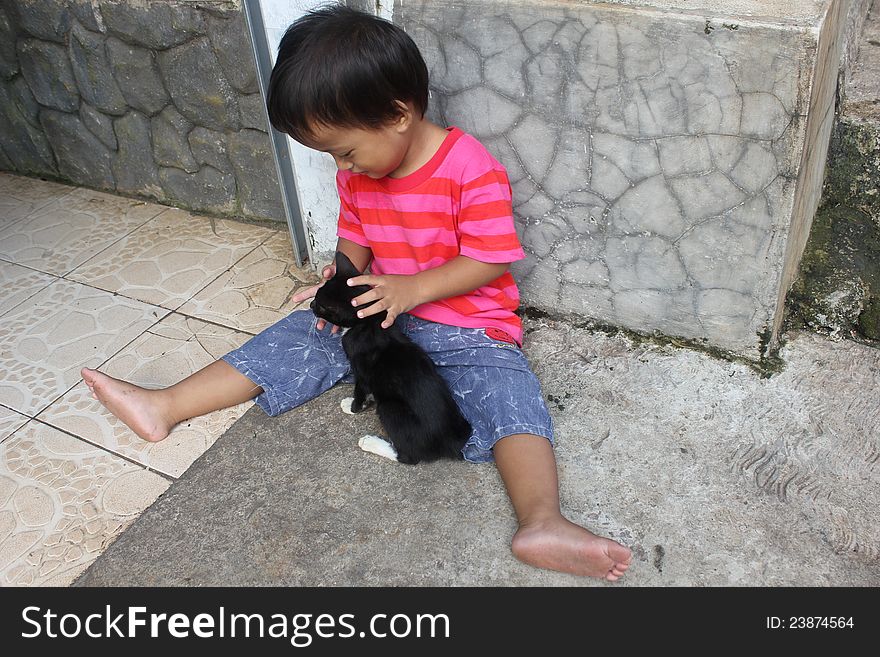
140, 409
558, 544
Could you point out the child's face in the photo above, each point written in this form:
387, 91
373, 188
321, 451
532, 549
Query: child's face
374, 152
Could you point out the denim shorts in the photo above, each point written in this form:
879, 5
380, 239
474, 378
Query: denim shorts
490, 379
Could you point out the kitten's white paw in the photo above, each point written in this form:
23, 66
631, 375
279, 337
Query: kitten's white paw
376, 445
346, 405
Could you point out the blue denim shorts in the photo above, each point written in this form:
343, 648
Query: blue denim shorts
491, 380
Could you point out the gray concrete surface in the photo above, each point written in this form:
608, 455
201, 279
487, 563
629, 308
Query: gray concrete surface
838, 286
862, 93
776, 11
712, 474
665, 162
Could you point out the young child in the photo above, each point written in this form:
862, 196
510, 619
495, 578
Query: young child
429, 210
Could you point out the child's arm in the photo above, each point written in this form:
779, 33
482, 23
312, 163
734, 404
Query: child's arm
399, 293
360, 256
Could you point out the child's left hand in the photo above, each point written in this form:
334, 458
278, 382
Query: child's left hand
392, 292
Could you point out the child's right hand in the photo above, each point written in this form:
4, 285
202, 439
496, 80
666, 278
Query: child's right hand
308, 293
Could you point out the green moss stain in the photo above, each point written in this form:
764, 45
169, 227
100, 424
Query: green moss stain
767, 365
853, 170
837, 291
869, 320
215, 101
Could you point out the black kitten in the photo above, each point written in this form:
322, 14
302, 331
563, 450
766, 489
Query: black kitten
421, 418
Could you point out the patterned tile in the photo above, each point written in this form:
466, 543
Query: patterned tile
47, 339
19, 196
167, 353
10, 421
17, 284
62, 502
168, 260
68, 231
257, 291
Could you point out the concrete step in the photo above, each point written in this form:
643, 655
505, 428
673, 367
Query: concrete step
666, 157
837, 291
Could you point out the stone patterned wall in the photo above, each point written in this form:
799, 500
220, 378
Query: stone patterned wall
153, 98
654, 156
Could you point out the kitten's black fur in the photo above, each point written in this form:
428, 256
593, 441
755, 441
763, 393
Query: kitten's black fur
421, 418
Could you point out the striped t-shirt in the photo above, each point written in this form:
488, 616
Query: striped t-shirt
459, 203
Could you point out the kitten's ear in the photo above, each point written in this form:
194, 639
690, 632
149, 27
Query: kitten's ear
344, 266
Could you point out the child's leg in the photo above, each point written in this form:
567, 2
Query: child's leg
545, 538
151, 414
500, 396
292, 361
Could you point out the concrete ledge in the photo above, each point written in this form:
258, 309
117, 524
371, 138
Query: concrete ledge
666, 158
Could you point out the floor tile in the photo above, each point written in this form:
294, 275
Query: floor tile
20, 196
171, 258
68, 231
10, 421
167, 353
18, 284
62, 501
257, 291
47, 339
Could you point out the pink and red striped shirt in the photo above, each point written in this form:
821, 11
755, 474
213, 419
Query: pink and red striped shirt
459, 203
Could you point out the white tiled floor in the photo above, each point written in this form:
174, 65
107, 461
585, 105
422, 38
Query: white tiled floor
167, 352
46, 340
169, 259
142, 291
64, 233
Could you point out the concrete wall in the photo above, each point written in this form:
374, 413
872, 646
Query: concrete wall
837, 291
823, 96
855, 22
153, 98
663, 178
666, 157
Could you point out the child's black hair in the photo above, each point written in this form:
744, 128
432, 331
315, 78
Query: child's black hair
340, 67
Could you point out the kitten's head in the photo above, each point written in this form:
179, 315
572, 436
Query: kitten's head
333, 299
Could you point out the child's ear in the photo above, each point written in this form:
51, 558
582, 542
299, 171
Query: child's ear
344, 266
405, 113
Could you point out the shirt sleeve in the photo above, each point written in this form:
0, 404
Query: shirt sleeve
485, 222
349, 225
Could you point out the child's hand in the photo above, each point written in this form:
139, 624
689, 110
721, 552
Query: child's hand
309, 292
394, 293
